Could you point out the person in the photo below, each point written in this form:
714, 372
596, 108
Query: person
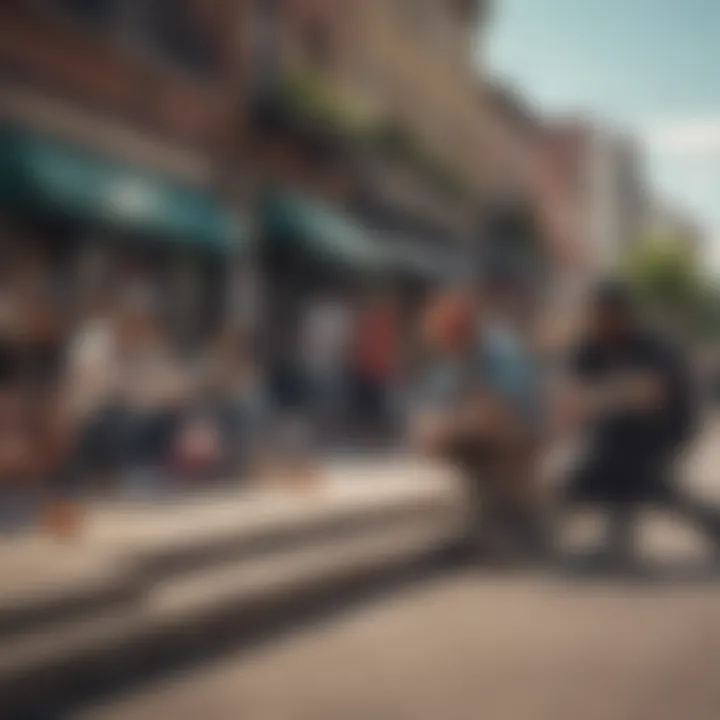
513, 375
324, 348
288, 441
155, 390
374, 364
505, 336
232, 396
34, 441
35, 436
633, 393
461, 419
92, 375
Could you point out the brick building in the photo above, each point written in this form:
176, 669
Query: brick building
118, 122
365, 115
396, 85
121, 71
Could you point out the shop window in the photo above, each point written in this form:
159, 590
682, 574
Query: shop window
180, 31
264, 40
182, 34
318, 45
99, 12
416, 14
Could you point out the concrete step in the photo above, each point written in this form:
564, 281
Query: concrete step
125, 548
46, 582
242, 584
171, 619
148, 583
179, 539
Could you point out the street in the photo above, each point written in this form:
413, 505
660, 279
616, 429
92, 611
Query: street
471, 644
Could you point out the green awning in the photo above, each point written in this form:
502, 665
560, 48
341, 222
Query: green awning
326, 233
38, 173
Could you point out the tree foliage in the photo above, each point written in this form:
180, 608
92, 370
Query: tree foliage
671, 283
665, 275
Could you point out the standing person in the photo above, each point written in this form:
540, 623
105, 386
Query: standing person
233, 398
635, 397
92, 378
35, 430
34, 437
289, 453
155, 392
324, 347
374, 365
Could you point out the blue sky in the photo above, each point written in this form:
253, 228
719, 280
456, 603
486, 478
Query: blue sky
652, 66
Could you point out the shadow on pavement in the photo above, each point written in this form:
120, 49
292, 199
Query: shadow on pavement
232, 632
598, 567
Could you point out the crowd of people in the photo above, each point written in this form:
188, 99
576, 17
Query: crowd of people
118, 407
465, 380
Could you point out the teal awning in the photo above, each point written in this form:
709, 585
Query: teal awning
38, 173
324, 232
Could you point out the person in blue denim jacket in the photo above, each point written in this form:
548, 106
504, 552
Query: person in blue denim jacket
475, 410
510, 369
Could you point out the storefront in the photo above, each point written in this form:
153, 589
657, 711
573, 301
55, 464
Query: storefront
318, 267
75, 225
309, 249
423, 234
101, 223
512, 246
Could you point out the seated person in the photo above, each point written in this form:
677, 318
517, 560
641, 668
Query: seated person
461, 419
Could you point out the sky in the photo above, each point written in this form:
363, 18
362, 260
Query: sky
650, 66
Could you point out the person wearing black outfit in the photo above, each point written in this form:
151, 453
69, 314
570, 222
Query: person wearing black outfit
635, 392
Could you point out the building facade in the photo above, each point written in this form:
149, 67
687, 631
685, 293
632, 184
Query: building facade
603, 179
118, 126
366, 134
114, 74
403, 79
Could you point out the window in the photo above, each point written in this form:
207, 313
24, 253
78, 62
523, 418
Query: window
99, 12
318, 45
181, 34
266, 14
417, 14
264, 33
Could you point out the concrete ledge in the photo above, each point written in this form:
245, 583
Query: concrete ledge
161, 542
126, 548
42, 669
45, 581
